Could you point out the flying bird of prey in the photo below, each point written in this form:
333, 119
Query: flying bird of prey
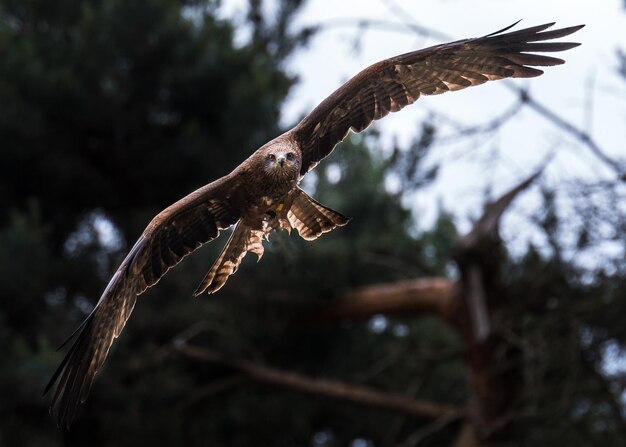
262, 195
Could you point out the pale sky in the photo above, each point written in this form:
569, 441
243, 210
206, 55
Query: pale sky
496, 162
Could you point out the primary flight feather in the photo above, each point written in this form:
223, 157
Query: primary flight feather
262, 195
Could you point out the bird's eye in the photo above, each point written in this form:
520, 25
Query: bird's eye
271, 157
290, 156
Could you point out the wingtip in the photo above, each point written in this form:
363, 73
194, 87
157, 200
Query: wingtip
506, 28
562, 32
572, 29
577, 27
541, 30
515, 23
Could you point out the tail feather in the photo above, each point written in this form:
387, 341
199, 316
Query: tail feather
242, 240
311, 218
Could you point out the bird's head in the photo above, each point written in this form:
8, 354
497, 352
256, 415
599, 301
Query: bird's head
282, 161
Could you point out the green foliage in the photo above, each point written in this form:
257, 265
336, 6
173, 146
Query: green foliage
122, 95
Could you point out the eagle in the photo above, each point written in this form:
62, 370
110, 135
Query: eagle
262, 195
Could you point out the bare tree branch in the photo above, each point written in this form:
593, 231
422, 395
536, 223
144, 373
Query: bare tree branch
568, 127
475, 251
480, 129
411, 23
487, 226
325, 387
479, 256
386, 25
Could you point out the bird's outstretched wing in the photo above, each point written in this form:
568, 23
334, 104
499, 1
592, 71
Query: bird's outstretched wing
394, 83
172, 234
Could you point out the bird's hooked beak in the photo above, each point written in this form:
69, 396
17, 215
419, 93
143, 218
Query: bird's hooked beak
281, 159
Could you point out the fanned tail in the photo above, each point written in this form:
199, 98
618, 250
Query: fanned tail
311, 218
242, 240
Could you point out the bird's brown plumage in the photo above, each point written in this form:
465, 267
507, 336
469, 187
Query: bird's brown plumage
261, 195
394, 83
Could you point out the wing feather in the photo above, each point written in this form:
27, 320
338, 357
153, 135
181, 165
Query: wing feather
172, 234
392, 84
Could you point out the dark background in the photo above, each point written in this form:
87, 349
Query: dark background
110, 110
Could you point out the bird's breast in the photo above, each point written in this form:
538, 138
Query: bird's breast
268, 207
270, 203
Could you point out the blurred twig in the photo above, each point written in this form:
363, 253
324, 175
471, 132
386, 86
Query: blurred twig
568, 127
484, 128
210, 390
385, 25
423, 432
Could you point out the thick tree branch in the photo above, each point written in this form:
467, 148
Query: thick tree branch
486, 228
476, 254
494, 388
411, 297
325, 387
